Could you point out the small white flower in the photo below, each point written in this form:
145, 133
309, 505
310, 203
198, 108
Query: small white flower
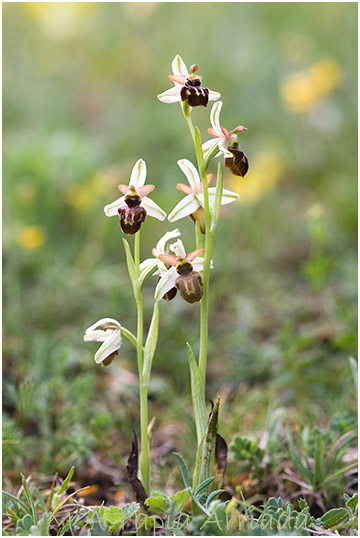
187, 86
168, 278
154, 265
222, 136
108, 331
194, 193
136, 184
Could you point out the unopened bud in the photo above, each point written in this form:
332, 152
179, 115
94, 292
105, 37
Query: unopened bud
199, 215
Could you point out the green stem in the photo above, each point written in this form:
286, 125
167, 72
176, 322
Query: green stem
198, 235
145, 448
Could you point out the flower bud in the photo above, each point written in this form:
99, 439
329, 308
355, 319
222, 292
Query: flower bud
238, 164
132, 216
199, 215
189, 282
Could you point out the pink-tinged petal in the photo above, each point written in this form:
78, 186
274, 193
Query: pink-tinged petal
179, 67
186, 189
179, 79
152, 209
124, 188
112, 209
241, 128
138, 174
191, 173
225, 133
184, 208
168, 258
145, 190
212, 132
172, 95
166, 283
210, 177
215, 115
192, 255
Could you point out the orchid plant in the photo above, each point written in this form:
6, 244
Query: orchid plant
175, 269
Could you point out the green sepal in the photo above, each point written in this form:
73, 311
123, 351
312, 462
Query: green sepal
217, 204
197, 396
150, 344
132, 270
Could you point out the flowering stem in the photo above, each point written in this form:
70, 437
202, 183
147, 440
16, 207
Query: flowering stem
199, 241
204, 308
145, 449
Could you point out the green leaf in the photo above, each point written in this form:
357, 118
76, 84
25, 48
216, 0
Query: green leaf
66, 482
206, 450
183, 469
353, 502
23, 526
150, 344
132, 270
180, 498
217, 202
212, 496
115, 516
203, 485
15, 499
334, 516
197, 396
158, 503
354, 371
42, 528
30, 499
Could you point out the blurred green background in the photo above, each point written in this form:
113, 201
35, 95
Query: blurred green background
80, 107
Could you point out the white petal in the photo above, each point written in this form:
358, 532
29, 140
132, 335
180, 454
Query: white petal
166, 283
198, 264
223, 149
191, 173
215, 116
111, 344
138, 174
161, 244
152, 209
214, 96
179, 67
172, 95
96, 332
208, 146
185, 207
112, 209
226, 198
178, 249
147, 267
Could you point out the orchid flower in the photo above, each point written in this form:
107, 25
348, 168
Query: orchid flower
154, 265
194, 198
184, 269
226, 143
108, 331
135, 205
187, 86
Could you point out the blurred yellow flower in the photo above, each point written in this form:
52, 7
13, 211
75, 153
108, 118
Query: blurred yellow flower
86, 195
302, 90
60, 20
264, 173
31, 237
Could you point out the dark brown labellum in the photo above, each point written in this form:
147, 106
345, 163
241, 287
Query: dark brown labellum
195, 95
109, 359
238, 164
131, 219
170, 294
190, 286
